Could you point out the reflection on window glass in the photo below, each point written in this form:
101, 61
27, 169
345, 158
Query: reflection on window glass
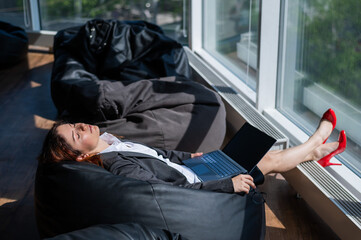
321, 67
231, 36
13, 12
170, 15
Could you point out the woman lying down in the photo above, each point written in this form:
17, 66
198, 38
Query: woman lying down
83, 143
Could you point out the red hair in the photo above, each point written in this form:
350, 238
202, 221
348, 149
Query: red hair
56, 149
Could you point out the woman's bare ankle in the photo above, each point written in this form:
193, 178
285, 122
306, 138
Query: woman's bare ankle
268, 163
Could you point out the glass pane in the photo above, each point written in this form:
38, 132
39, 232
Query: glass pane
321, 67
170, 15
13, 12
231, 36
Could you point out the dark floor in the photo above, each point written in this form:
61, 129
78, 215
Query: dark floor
24, 107
26, 112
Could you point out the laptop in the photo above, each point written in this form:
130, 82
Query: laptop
239, 156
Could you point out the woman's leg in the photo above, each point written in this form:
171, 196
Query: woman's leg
312, 149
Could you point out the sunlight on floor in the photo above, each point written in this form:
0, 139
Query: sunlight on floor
34, 84
43, 123
6, 200
272, 220
34, 62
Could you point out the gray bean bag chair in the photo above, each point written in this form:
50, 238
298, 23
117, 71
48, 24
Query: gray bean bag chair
72, 196
133, 81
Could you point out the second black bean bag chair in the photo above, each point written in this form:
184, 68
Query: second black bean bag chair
72, 196
129, 231
13, 44
131, 80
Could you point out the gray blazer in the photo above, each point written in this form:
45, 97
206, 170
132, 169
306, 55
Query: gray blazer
144, 167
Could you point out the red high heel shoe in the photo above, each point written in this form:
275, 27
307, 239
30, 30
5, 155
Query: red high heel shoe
342, 142
330, 116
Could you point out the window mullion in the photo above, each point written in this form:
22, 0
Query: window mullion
196, 14
34, 15
268, 54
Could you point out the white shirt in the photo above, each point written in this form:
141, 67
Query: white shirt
118, 146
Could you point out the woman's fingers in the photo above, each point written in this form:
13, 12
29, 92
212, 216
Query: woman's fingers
250, 182
198, 154
243, 183
246, 188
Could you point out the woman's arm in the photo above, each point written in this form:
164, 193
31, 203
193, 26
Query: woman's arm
239, 183
130, 168
222, 185
173, 155
127, 168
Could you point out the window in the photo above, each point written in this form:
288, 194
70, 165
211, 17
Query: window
320, 67
170, 15
13, 12
231, 36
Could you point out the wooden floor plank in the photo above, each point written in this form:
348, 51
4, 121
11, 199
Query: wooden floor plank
26, 112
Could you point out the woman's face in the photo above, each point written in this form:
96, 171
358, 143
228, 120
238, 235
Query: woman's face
80, 136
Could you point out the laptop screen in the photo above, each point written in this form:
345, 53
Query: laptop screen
248, 146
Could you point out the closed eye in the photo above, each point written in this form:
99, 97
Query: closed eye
73, 132
77, 134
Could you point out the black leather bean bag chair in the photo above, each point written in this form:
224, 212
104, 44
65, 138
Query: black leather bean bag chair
71, 196
13, 44
131, 231
131, 80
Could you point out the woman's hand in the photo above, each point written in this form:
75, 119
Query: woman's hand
196, 154
243, 183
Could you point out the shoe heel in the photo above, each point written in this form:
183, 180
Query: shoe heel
342, 142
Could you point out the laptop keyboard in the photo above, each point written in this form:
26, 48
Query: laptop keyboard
218, 162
